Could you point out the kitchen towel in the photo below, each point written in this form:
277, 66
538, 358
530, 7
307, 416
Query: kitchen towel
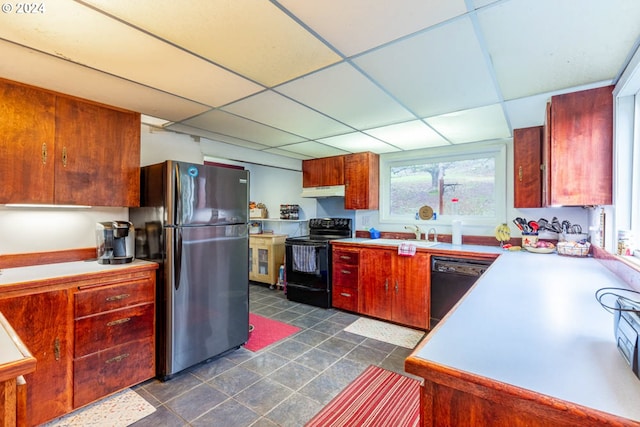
304, 258
406, 249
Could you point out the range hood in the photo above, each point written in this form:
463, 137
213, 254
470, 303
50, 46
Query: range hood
327, 191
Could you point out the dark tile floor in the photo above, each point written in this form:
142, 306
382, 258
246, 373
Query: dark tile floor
284, 384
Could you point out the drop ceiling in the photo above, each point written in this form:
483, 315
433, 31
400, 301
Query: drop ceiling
307, 79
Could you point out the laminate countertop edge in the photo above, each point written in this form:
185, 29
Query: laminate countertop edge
532, 321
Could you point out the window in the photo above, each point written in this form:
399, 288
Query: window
472, 174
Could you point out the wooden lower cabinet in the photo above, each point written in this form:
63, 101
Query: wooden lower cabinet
345, 268
90, 335
42, 320
395, 287
266, 255
451, 398
114, 338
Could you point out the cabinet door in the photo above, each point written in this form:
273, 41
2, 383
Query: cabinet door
361, 172
527, 160
99, 155
375, 283
411, 290
581, 148
27, 135
323, 172
43, 323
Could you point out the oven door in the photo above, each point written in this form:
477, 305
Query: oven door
308, 272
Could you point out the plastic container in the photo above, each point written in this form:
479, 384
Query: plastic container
456, 232
625, 241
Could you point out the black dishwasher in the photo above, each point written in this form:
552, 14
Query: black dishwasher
451, 278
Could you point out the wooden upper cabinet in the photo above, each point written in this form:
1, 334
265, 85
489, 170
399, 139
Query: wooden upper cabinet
527, 161
27, 133
59, 149
580, 150
99, 152
323, 172
361, 172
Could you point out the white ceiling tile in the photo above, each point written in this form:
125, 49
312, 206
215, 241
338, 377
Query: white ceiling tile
82, 35
53, 73
408, 136
436, 72
253, 38
280, 112
544, 45
238, 127
357, 142
213, 136
477, 4
358, 25
478, 124
345, 94
287, 153
314, 150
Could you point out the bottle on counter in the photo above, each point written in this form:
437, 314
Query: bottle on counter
456, 224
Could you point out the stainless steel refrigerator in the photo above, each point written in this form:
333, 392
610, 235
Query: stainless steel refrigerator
192, 220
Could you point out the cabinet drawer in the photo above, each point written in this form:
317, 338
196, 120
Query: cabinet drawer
345, 275
108, 371
108, 298
346, 257
345, 298
99, 332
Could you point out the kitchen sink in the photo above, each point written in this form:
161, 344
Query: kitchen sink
396, 242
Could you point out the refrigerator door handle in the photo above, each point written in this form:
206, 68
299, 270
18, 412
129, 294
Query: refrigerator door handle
178, 196
177, 262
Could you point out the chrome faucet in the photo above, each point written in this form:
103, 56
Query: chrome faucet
435, 234
416, 230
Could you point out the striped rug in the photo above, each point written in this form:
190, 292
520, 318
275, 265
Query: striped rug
378, 397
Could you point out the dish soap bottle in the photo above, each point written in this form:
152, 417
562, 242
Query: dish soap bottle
456, 224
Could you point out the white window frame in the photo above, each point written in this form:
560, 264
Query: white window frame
496, 149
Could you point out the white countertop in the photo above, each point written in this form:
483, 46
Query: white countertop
9, 276
532, 321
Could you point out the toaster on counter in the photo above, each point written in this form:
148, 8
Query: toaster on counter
626, 324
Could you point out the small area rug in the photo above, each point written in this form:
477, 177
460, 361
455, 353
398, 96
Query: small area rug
378, 397
266, 332
119, 410
387, 332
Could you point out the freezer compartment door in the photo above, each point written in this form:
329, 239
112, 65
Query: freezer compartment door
208, 195
207, 289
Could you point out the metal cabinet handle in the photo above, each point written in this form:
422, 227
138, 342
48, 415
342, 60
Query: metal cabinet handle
344, 294
119, 321
117, 297
520, 173
56, 348
345, 257
345, 272
44, 153
64, 157
119, 358
396, 286
386, 285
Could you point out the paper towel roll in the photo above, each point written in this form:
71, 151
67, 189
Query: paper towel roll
456, 232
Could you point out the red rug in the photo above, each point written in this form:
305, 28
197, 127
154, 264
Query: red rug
376, 398
266, 332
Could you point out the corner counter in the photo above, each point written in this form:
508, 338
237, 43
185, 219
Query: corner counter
15, 361
528, 345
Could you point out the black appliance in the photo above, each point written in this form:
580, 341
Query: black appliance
451, 278
626, 325
308, 261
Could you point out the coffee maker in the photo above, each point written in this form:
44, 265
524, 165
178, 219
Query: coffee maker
115, 242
